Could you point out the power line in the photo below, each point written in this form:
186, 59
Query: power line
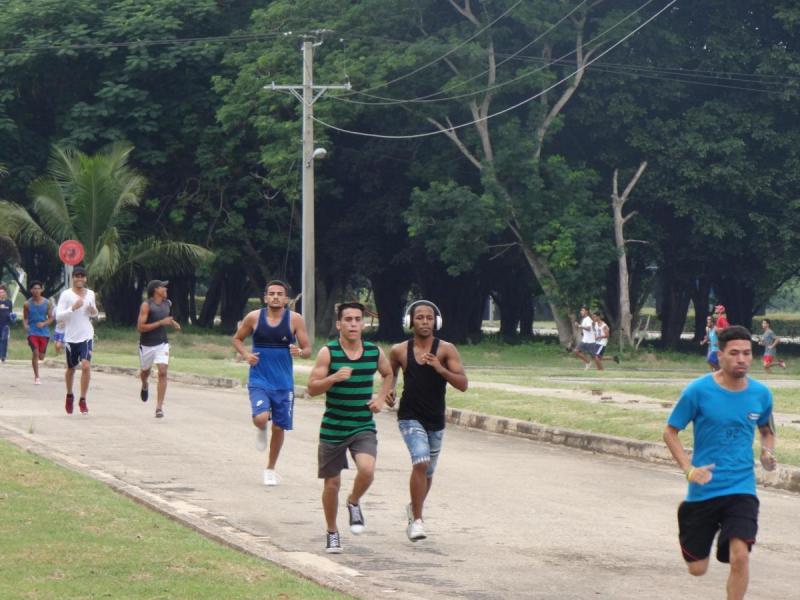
449, 52
505, 110
427, 99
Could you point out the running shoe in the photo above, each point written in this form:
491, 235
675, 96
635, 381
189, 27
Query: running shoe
159, 413
587, 366
416, 531
68, 403
271, 478
82, 406
144, 394
261, 439
332, 544
356, 518
37, 381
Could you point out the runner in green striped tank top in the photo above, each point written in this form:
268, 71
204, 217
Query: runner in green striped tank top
344, 371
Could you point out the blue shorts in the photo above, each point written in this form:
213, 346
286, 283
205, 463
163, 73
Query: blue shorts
713, 358
280, 403
423, 445
58, 336
77, 352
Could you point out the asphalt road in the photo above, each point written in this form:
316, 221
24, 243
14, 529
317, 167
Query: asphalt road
507, 517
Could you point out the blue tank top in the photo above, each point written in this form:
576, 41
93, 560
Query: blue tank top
36, 314
273, 371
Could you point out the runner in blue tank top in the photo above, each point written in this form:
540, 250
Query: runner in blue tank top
725, 408
37, 314
278, 335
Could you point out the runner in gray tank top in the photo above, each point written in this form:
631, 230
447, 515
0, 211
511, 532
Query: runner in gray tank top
428, 364
154, 316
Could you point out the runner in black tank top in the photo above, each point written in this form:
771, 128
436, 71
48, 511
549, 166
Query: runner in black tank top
428, 364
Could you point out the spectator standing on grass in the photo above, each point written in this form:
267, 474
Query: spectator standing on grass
722, 318
37, 314
7, 317
769, 340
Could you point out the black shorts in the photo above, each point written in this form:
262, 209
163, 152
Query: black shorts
77, 352
734, 516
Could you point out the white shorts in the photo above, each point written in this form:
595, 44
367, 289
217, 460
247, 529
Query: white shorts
150, 355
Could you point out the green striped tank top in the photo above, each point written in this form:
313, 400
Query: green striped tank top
346, 411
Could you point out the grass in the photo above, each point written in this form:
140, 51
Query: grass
67, 536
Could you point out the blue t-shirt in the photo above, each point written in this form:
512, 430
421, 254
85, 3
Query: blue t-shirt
273, 371
724, 430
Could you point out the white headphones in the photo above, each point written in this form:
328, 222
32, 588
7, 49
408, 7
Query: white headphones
407, 317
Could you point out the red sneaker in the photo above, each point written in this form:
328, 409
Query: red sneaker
68, 403
82, 406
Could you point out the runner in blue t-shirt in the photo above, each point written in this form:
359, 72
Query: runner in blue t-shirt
724, 407
278, 335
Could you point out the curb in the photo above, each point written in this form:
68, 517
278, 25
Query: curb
783, 478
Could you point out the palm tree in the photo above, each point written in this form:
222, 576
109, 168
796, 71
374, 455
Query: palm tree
91, 198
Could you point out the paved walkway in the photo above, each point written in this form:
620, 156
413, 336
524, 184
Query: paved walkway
507, 517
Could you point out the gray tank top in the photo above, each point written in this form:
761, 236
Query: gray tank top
157, 312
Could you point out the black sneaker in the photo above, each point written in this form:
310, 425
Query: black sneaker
144, 394
356, 518
616, 358
332, 544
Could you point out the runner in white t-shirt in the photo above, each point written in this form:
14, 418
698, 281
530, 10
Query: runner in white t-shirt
76, 306
586, 348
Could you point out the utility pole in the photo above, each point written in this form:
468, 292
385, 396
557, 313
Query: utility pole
308, 95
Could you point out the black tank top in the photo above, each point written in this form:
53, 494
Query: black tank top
423, 392
158, 335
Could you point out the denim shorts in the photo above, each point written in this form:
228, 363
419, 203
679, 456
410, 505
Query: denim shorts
423, 445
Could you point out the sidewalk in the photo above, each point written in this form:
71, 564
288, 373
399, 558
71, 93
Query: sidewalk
507, 517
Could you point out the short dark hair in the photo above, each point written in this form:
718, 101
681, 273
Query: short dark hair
277, 282
340, 308
36, 282
419, 303
734, 332
767, 321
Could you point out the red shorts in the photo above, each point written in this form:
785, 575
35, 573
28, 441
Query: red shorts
768, 360
38, 343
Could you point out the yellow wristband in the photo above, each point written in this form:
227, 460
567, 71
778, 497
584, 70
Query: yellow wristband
689, 474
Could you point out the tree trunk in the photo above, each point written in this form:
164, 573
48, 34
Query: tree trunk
179, 295
700, 293
389, 293
213, 295
672, 312
121, 298
738, 297
461, 301
526, 317
235, 292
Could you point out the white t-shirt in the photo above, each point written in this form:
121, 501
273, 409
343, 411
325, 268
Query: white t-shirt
587, 335
599, 334
77, 324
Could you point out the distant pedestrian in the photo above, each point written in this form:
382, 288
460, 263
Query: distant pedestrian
713, 348
769, 340
76, 307
154, 317
37, 314
344, 370
602, 333
278, 335
724, 409
721, 321
709, 327
428, 364
586, 348
7, 317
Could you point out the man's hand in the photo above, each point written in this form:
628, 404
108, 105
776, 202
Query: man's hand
768, 460
41, 324
376, 404
432, 360
391, 398
701, 475
251, 358
78, 304
342, 374
295, 350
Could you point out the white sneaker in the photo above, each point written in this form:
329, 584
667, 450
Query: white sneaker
261, 439
416, 531
271, 478
587, 367
37, 381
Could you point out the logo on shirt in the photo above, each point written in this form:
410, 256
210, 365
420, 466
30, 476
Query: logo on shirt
259, 403
753, 416
284, 339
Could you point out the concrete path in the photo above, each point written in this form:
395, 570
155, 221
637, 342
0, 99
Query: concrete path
507, 517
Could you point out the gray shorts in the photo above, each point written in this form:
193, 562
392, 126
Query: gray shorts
332, 458
587, 347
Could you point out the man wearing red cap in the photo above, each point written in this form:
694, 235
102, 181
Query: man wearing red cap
722, 319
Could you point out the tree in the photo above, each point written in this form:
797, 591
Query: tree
90, 199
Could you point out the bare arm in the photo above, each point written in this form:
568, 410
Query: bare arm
245, 330
701, 475
768, 460
385, 369
319, 381
25, 315
395, 358
452, 370
303, 347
